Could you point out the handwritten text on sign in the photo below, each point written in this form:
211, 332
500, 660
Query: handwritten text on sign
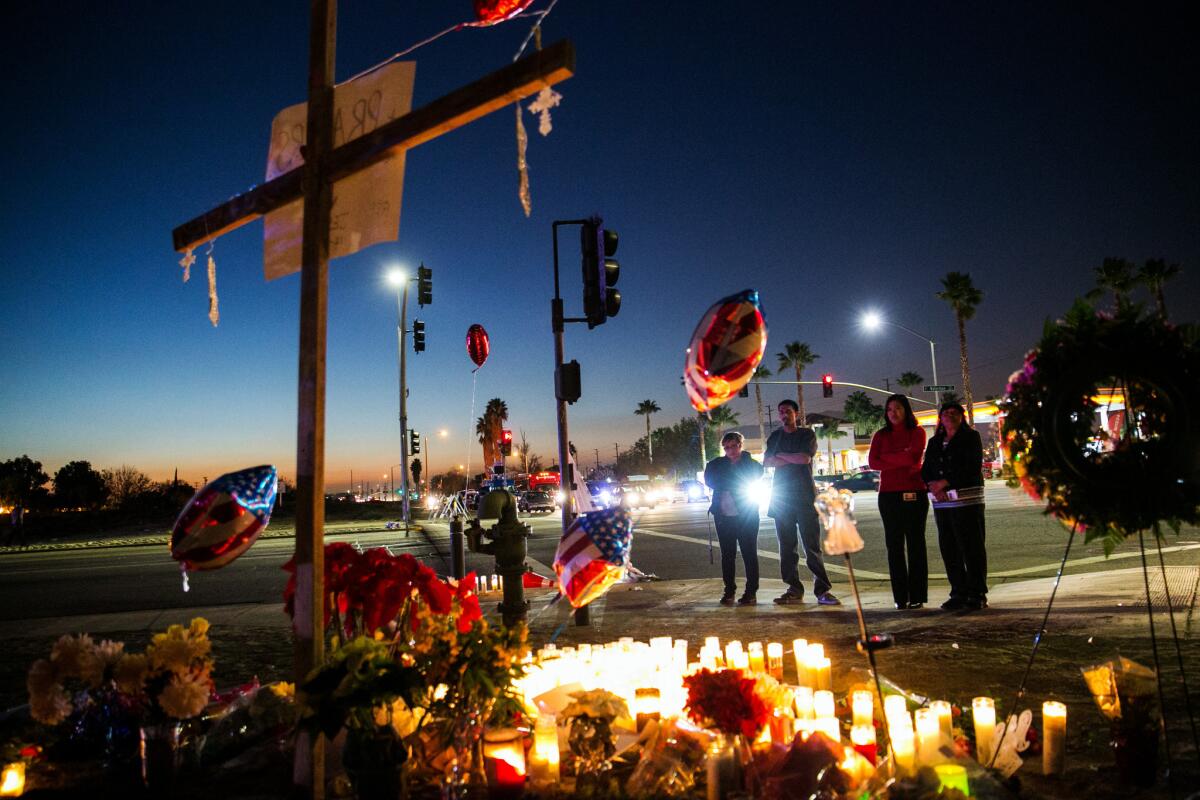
366, 204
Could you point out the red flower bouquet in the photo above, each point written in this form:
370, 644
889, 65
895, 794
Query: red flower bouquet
726, 700
367, 591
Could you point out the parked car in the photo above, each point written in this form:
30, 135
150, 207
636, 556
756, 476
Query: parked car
823, 481
536, 502
860, 481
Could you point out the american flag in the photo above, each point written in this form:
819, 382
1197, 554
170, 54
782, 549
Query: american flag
224, 518
592, 554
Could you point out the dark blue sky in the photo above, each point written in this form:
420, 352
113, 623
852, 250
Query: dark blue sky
835, 158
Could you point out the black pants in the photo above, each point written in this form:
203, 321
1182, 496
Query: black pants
805, 520
732, 533
961, 540
904, 530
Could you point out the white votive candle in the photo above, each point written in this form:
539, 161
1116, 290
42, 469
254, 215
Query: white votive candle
804, 702
775, 660
862, 704
823, 703
894, 704
901, 732
799, 651
1054, 737
929, 735
983, 709
945, 715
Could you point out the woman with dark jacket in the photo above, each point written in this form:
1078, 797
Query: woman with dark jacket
953, 472
732, 478
896, 450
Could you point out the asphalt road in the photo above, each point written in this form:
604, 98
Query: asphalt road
670, 541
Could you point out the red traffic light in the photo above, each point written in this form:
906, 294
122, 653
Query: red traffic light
506, 436
827, 385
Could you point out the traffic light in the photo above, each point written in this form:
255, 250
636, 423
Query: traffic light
827, 385
505, 442
418, 336
600, 272
414, 442
424, 285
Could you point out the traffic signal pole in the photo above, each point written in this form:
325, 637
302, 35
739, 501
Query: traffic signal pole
565, 470
402, 301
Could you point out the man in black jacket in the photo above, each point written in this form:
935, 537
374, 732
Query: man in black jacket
732, 478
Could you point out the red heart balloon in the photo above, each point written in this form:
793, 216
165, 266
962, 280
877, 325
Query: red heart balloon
478, 344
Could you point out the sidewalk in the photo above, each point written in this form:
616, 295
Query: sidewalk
688, 609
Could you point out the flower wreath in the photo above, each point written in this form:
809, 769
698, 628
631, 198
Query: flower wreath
1108, 484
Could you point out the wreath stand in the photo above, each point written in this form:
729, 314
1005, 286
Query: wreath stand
1049, 422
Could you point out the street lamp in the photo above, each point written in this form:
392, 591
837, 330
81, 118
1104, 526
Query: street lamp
397, 278
871, 322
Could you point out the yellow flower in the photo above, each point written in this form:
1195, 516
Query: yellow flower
178, 649
130, 673
49, 703
184, 696
198, 628
283, 689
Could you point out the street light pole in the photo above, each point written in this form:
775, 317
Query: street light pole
401, 282
872, 320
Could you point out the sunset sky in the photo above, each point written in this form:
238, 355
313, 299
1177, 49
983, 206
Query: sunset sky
836, 158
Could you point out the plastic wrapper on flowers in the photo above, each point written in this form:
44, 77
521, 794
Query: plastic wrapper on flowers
252, 729
795, 769
671, 761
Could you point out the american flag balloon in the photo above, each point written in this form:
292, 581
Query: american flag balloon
224, 518
726, 348
592, 554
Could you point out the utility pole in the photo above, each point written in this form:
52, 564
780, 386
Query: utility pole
401, 336
596, 450
616, 455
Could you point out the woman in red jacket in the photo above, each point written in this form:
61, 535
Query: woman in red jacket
896, 451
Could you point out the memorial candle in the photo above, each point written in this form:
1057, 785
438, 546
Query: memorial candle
543, 760
901, 732
929, 735
823, 703
983, 709
12, 784
799, 650
504, 762
862, 703
945, 715
775, 660
1054, 737
862, 739
823, 674
758, 661
893, 705
804, 702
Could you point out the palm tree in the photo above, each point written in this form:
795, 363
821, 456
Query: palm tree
797, 355
829, 431
646, 408
963, 297
759, 374
483, 427
1153, 274
908, 380
1114, 275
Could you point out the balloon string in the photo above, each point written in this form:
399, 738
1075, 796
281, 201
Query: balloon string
467, 468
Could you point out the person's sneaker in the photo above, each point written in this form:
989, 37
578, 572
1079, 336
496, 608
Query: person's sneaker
975, 605
828, 599
916, 605
954, 604
747, 600
789, 599
727, 600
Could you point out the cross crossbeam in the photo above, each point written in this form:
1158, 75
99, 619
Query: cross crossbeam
462, 106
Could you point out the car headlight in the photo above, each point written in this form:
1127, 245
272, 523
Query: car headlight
606, 497
759, 493
694, 493
431, 502
560, 497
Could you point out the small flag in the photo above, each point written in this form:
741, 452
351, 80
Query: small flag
592, 554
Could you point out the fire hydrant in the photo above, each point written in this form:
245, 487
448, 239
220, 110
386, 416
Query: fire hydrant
508, 544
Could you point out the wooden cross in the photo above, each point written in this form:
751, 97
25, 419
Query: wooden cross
314, 182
